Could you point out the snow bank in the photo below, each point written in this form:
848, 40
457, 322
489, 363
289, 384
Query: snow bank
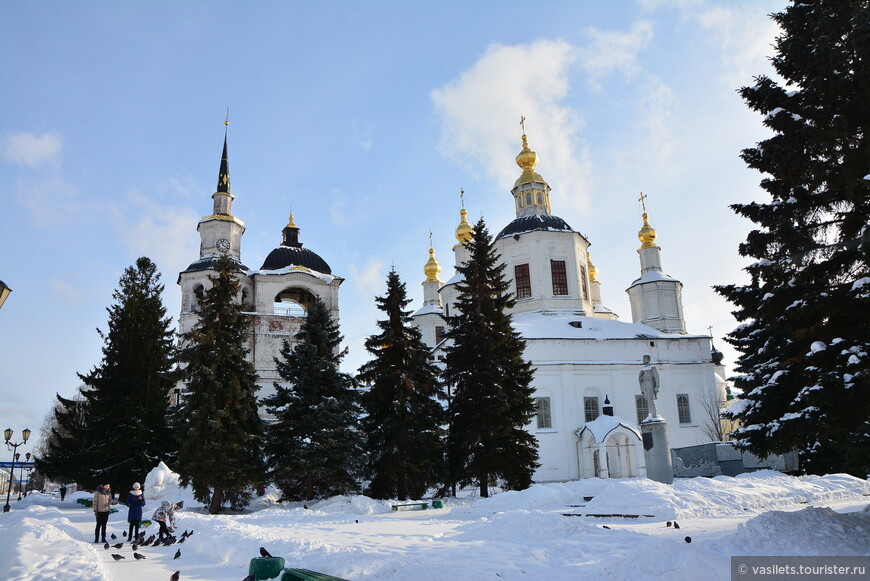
49, 547
725, 495
808, 532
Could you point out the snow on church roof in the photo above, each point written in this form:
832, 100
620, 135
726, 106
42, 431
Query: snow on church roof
652, 276
557, 324
601, 426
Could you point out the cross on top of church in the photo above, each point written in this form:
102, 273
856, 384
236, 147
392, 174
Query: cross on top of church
523, 124
642, 202
462, 197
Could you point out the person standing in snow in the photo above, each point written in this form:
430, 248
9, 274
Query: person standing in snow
135, 502
101, 504
165, 517
62, 491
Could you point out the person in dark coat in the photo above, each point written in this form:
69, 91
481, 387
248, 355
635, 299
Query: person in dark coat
62, 491
135, 502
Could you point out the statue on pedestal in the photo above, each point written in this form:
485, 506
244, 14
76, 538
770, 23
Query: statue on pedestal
649, 385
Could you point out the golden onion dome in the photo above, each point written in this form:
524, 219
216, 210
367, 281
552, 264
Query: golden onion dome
527, 160
647, 235
432, 267
592, 270
464, 232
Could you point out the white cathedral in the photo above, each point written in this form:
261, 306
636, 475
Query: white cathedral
586, 362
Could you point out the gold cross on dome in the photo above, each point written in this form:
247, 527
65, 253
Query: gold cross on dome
523, 124
430, 239
462, 196
642, 202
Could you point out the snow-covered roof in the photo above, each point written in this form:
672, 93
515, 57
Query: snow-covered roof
429, 310
293, 268
456, 278
601, 426
556, 324
653, 276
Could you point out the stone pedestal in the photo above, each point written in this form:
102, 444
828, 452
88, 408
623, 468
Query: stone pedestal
657, 450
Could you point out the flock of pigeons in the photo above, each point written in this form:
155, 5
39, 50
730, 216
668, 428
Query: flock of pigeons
153, 541
141, 541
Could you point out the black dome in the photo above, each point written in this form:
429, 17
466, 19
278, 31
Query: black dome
533, 223
284, 256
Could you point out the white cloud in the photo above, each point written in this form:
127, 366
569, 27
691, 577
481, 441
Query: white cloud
64, 292
614, 51
31, 150
481, 109
160, 231
50, 200
745, 42
369, 278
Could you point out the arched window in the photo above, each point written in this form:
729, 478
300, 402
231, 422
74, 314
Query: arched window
293, 302
196, 299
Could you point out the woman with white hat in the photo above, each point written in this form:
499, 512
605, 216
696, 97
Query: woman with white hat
135, 502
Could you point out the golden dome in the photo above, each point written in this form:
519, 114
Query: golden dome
647, 235
290, 223
592, 270
464, 231
432, 267
527, 160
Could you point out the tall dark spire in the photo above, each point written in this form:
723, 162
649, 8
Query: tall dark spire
224, 175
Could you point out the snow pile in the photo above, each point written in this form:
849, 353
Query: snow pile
811, 531
49, 547
724, 495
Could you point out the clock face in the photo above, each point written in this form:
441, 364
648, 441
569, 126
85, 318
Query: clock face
223, 245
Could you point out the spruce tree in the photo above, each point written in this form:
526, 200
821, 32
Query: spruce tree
313, 444
221, 435
120, 431
63, 454
403, 421
492, 399
805, 336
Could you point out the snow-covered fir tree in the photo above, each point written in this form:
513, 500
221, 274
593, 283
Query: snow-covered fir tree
313, 444
805, 335
403, 421
221, 432
491, 402
119, 430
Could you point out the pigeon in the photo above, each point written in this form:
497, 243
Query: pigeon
124, 534
264, 553
106, 546
676, 526
688, 539
177, 554
117, 557
182, 539
135, 547
668, 524
605, 526
118, 545
138, 556
175, 576
113, 536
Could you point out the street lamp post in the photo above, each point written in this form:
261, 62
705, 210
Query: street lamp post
20, 480
7, 433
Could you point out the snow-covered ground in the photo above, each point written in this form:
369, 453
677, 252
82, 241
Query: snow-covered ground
512, 535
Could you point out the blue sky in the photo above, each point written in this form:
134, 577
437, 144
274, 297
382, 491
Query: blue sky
366, 118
